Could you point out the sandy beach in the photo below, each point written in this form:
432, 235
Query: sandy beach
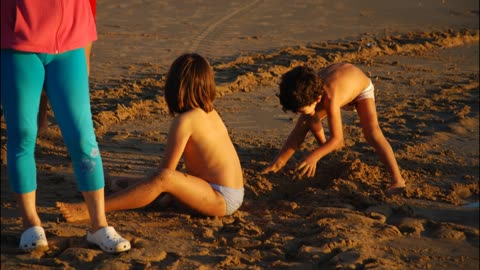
422, 57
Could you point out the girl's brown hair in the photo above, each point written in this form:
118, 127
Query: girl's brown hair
190, 84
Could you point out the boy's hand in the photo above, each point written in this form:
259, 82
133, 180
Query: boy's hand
307, 168
274, 167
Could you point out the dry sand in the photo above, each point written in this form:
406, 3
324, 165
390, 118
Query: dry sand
422, 57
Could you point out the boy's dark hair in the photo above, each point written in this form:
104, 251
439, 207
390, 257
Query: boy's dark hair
299, 87
190, 84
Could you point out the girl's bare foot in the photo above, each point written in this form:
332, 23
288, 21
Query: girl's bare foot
73, 212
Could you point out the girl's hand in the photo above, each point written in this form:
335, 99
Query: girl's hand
307, 168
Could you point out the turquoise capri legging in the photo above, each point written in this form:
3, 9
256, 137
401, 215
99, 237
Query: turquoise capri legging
66, 81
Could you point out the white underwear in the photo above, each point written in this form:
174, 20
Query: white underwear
233, 197
367, 93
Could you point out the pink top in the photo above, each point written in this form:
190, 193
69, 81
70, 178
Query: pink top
46, 26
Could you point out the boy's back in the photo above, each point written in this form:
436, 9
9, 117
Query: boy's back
343, 82
209, 153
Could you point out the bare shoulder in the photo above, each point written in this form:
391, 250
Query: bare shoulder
184, 119
340, 73
338, 69
189, 115
198, 120
347, 67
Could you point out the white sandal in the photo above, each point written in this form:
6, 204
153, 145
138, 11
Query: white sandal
32, 238
108, 240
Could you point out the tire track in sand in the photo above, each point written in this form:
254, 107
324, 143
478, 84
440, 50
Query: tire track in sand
195, 43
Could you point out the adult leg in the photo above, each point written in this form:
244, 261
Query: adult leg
42, 114
373, 134
68, 92
28, 210
22, 79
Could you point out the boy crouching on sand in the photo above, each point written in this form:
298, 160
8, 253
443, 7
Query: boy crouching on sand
213, 182
316, 96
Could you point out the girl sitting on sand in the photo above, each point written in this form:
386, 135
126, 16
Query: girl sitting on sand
213, 182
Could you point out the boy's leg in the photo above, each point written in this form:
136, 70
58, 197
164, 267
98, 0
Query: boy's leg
373, 134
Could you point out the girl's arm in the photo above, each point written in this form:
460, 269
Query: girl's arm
294, 140
178, 136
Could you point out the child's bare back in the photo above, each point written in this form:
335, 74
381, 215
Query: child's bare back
342, 83
209, 153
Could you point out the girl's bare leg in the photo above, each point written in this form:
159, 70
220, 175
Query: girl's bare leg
192, 191
374, 136
119, 183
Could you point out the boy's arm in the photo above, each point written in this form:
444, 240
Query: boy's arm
294, 140
309, 164
177, 140
316, 127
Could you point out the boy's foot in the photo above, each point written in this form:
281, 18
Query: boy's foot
73, 212
395, 188
108, 240
33, 238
